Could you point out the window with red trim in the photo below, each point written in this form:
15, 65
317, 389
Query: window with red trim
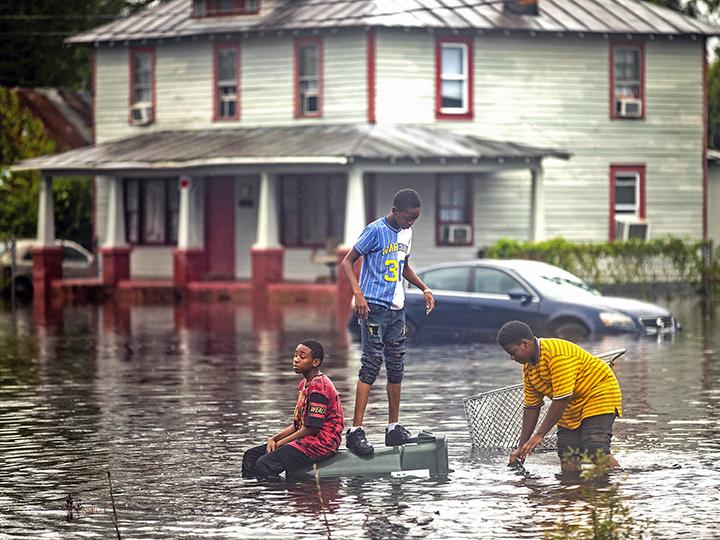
151, 210
313, 210
627, 80
220, 8
142, 86
627, 196
454, 78
454, 210
308, 77
226, 88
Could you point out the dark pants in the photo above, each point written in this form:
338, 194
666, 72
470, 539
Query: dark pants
257, 463
383, 339
592, 437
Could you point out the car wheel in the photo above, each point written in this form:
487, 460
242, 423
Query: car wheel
570, 329
23, 288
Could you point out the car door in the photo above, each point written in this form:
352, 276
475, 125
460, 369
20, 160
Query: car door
450, 286
493, 305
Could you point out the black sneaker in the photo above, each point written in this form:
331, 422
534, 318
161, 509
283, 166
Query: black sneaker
397, 436
358, 444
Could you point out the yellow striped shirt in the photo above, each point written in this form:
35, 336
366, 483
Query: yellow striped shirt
565, 369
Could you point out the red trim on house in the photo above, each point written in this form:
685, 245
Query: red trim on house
131, 55
640, 170
703, 51
371, 56
643, 97
212, 10
469, 114
469, 198
299, 42
93, 97
217, 47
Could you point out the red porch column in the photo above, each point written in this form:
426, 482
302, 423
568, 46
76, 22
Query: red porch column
188, 265
47, 266
115, 264
267, 267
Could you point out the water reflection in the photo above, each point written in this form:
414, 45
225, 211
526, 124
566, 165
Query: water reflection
168, 398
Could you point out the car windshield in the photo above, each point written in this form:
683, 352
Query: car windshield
551, 281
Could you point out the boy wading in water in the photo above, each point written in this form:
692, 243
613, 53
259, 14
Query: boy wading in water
585, 396
316, 431
379, 302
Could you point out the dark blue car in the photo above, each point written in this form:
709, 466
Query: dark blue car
475, 298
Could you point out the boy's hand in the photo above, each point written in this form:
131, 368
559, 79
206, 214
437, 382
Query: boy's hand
429, 301
361, 306
271, 445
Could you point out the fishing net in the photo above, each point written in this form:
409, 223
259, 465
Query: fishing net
495, 417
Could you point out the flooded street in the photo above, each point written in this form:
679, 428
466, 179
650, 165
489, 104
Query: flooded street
168, 398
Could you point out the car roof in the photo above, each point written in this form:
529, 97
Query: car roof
508, 264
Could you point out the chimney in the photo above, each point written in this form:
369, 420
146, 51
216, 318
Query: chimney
522, 7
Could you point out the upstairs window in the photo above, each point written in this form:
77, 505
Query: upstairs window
627, 202
227, 82
151, 211
142, 86
220, 8
627, 83
454, 210
308, 77
454, 78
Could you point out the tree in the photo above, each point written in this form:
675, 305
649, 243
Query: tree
23, 136
32, 48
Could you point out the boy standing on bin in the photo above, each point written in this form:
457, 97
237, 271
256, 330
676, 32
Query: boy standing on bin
379, 301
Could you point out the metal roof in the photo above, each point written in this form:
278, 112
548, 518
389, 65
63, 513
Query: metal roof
327, 144
173, 19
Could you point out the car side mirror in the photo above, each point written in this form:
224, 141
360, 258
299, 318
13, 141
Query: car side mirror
520, 294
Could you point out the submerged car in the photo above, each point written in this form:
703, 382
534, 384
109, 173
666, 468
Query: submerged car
475, 298
76, 262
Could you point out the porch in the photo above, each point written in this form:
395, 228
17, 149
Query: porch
232, 214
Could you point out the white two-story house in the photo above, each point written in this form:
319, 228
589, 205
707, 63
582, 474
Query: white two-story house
240, 139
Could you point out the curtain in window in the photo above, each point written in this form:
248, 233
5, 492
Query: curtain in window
142, 78
154, 214
452, 201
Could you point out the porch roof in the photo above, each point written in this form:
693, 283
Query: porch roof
337, 145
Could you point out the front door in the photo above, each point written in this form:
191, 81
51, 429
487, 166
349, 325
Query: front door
220, 227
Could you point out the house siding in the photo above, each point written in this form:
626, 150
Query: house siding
551, 91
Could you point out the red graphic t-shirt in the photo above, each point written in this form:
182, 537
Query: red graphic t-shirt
319, 406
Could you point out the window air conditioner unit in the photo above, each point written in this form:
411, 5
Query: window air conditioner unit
141, 113
631, 228
630, 107
458, 234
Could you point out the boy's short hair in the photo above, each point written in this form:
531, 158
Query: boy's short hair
406, 198
315, 347
513, 332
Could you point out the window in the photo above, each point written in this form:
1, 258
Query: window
313, 210
227, 82
454, 210
220, 8
627, 195
142, 86
308, 77
492, 281
627, 81
454, 78
456, 278
151, 211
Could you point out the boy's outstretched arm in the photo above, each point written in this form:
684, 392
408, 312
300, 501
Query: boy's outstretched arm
348, 266
272, 442
412, 277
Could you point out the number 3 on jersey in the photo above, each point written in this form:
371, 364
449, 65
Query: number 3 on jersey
394, 270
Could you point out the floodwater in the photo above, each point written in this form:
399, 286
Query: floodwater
167, 399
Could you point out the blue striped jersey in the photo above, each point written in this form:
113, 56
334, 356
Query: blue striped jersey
385, 251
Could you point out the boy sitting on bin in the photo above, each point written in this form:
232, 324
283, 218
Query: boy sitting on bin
316, 431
